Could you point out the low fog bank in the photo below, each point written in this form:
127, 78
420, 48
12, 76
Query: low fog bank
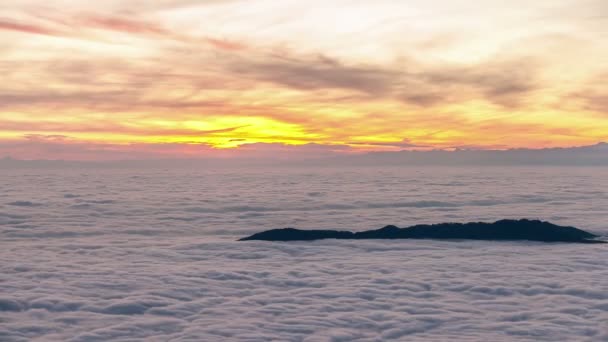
595, 155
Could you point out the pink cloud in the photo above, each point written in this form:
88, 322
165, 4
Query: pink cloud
122, 24
9, 25
110, 22
228, 45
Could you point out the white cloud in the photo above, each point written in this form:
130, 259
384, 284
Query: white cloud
117, 255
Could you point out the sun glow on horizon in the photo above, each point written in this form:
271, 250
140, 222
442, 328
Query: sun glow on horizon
209, 77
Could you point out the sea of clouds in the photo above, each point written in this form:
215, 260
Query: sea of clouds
126, 255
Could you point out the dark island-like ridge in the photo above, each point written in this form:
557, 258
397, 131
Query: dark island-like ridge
504, 230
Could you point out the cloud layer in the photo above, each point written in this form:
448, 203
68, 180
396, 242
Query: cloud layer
150, 253
367, 291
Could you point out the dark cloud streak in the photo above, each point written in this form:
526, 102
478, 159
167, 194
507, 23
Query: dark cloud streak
504, 83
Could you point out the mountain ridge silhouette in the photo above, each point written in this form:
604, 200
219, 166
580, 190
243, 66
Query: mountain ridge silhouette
503, 230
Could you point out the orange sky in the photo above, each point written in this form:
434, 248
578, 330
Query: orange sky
118, 79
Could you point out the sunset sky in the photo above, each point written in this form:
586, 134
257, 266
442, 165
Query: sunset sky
114, 79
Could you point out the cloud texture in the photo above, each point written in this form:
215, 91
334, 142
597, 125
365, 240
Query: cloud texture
291, 73
112, 254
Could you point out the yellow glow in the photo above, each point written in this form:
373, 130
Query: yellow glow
385, 76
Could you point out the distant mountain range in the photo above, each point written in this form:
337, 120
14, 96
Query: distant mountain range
594, 155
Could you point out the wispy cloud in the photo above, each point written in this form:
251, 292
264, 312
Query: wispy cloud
503, 82
288, 73
13, 25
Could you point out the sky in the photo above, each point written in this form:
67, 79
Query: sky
115, 79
